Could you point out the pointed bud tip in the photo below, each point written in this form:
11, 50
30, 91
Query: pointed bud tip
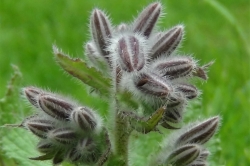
184, 155
31, 93
146, 20
200, 133
55, 107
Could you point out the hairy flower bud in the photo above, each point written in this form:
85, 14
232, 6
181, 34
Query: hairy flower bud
130, 52
147, 19
173, 115
184, 155
174, 67
55, 107
84, 118
101, 30
188, 91
32, 93
63, 135
154, 85
45, 146
199, 133
168, 42
39, 127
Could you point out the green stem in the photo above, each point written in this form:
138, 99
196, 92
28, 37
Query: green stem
122, 139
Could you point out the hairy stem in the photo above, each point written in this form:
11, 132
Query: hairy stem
122, 139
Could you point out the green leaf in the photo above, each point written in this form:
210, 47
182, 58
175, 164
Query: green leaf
79, 69
20, 145
16, 144
146, 125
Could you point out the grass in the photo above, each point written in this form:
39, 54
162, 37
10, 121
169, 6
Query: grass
214, 31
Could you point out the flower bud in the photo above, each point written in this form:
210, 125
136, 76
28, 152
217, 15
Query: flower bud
45, 146
188, 91
39, 127
154, 85
184, 155
168, 42
84, 118
63, 135
173, 115
130, 52
147, 19
175, 67
32, 93
55, 107
101, 30
199, 133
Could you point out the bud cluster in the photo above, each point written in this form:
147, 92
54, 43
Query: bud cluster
186, 147
143, 61
130, 64
67, 131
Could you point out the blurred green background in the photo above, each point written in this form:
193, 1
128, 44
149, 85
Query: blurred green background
219, 32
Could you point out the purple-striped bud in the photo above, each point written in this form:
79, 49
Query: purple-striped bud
32, 93
154, 85
173, 116
168, 42
130, 52
84, 118
63, 135
170, 125
39, 127
188, 91
184, 155
55, 107
201, 159
199, 133
147, 19
45, 146
174, 67
101, 30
